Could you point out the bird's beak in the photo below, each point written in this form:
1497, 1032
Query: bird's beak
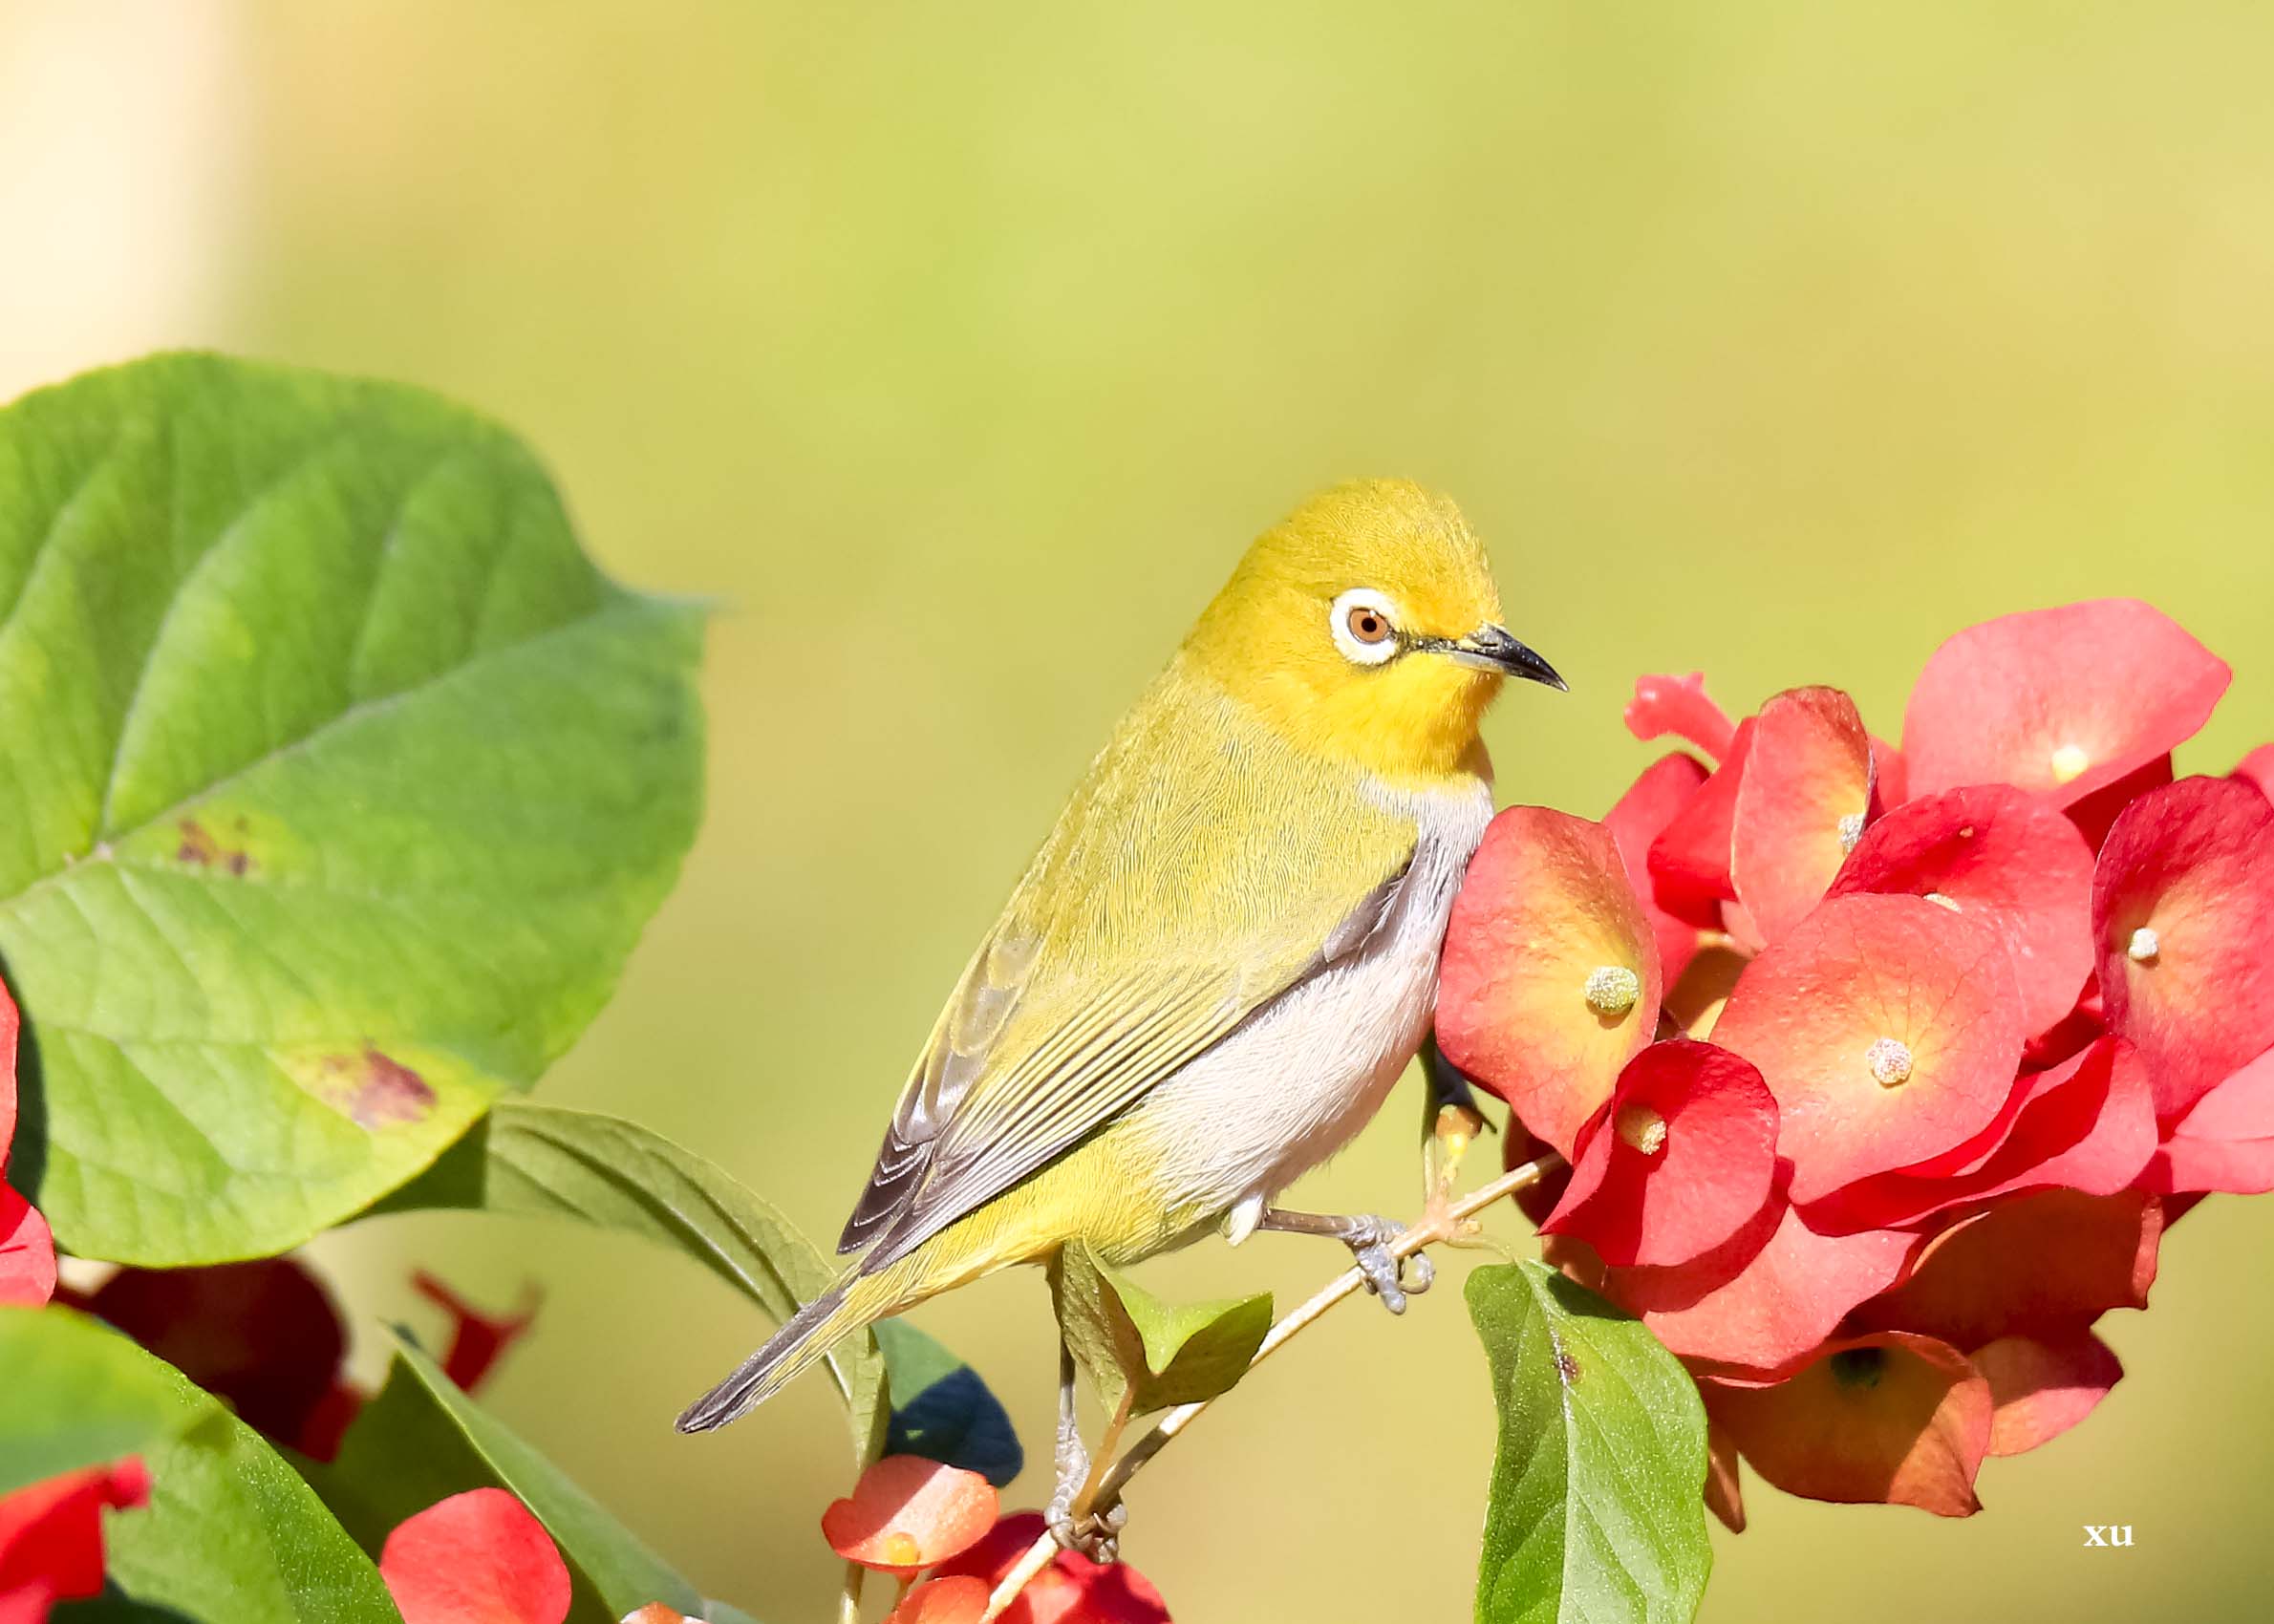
1490, 648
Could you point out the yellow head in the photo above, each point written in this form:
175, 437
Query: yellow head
1367, 628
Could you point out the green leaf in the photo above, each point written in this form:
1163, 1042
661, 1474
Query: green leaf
1124, 1335
342, 784
942, 1409
1597, 1510
542, 1160
76, 1394
232, 1532
422, 1440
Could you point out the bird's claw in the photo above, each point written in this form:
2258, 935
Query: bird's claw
1387, 1275
1096, 1534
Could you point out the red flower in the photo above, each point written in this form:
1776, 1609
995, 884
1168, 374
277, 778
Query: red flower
2060, 702
51, 1535
26, 1248
1070, 1589
956, 1601
2007, 992
476, 1558
908, 1514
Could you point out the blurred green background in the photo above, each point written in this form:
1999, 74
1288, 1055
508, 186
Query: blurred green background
958, 350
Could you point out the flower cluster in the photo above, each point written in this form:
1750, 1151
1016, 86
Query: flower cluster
1881, 1071
908, 1514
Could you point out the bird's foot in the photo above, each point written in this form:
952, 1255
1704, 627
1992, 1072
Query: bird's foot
1391, 1278
1096, 1534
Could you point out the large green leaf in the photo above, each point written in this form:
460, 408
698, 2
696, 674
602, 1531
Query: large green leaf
422, 1440
341, 782
541, 1161
74, 1393
231, 1532
1598, 1511
1164, 1354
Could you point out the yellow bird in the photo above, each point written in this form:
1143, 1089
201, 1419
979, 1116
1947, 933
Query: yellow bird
1224, 952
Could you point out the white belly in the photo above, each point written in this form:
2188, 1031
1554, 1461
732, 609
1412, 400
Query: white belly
1297, 1082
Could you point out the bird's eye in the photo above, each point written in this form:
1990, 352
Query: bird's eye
1364, 626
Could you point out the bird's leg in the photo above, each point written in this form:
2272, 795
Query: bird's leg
1097, 1536
1368, 1239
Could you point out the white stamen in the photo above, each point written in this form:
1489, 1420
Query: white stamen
2069, 762
1613, 989
1851, 830
1890, 1063
2144, 948
1942, 901
1642, 1129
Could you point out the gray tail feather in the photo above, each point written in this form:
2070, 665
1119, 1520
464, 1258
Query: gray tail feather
805, 1338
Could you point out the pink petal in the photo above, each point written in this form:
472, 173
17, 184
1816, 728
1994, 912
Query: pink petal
2040, 1388
1801, 805
908, 1514
1689, 861
1641, 815
1677, 705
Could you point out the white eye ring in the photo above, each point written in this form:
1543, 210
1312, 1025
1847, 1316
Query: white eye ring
1364, 625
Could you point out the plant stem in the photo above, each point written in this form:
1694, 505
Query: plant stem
849, 1605
1107, 1443
1439, 1227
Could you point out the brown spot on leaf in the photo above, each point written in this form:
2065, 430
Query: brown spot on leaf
201, 850
1566, 1366
376, 1090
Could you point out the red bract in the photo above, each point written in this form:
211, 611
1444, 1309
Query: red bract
1689, 861
1800, 807
1550, 981
1764, 1298
2006, 856
2041, 1388
2225, 1142
1677, 705
1893, 1418
2059, 701
50, 1534
2183, 914
2030, 1264
1639, 817
1681, 1158
1071, 1589
1887, 1029
955, 1600
908, 1514
476, 1558
478, 1340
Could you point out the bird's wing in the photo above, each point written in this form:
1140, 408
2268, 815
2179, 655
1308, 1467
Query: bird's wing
1199, 871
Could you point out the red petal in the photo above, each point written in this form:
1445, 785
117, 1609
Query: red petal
2226, 1142
1656, 798
477, 1339
2032, 1265
50, 1531
1543, 918
1893, 1418
1888, 1029
1765, 1298
1689, 861
476, 1558
9, 1022
1993, 852
1073, 1589
1677, 705
2041, 1388
908, 1514
27, 1252
266, 1336
1891, 776
1801, 805
2060, 700
942, 1601
1683, 1159
2096, 813
2183, 915
2257, 767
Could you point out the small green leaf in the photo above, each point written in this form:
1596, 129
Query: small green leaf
542, 1160
942, 1410
232, 1532
76, 1394
343, 784
1123, 1335
1597, 1510
422, 1440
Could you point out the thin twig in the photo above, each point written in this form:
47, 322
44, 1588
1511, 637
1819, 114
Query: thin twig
848, 1604
1443, 1225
